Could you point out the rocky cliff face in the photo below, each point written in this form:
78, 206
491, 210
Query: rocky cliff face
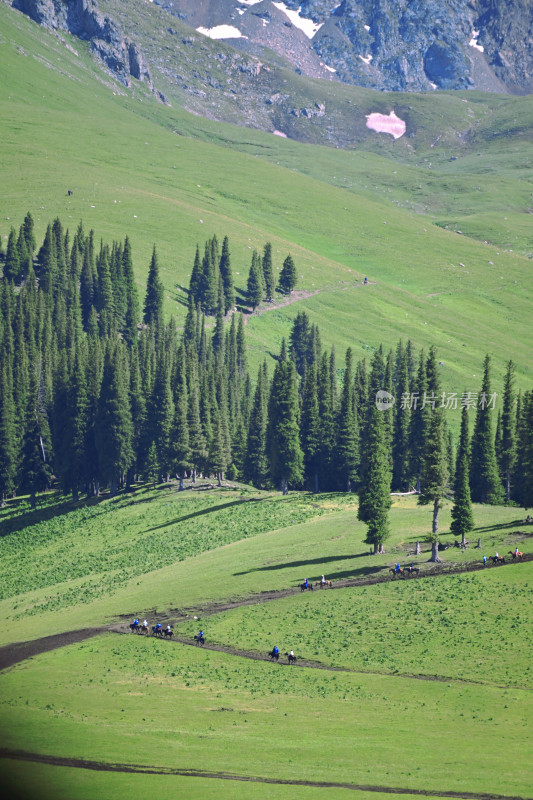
405, 45
83, 19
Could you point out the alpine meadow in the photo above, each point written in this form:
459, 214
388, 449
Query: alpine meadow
266, 400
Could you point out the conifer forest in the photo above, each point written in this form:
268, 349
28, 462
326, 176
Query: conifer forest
98, 391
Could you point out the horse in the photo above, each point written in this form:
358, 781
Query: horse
144, 629
323, 584
134, 628
292, 659
157, 631
273, 655
412, 570
199, 640
303, 587
168, 634
497, 559
516, 554
395, 571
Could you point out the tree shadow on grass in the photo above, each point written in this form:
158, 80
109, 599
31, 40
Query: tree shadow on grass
486, 528
303, 563
209, 510
45, 514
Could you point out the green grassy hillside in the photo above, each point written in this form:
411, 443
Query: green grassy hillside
425, 663
139, 168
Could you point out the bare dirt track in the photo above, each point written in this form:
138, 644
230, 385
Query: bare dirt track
20, 651
99, 766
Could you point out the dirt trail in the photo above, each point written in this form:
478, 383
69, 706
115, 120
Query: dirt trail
20, 651
100, 766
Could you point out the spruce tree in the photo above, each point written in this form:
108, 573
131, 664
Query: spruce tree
8, 437
268, 273
153, 303
310, 429
113, 424
255, 466
347, 445
462, 516
400, 438
254, 286
132, 316
227, 277
195, 279
374, 493
507, 455
287, 276
285, 453
434, 472
485, 484
12, 260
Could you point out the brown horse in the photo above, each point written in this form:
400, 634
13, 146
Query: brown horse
323, 584
292, 659
497, 559
412, 570
395, 571
516, 554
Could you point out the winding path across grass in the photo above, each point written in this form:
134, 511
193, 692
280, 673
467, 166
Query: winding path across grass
20, 651
100, 766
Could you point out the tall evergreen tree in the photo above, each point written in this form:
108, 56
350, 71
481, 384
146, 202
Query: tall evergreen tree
347, 447
485, 484
113, 424
268, 273
153, 303
310, 428
434, 473
256, 466
374, 494
8, 438
507, 454
227, 277
400, 438
462, 516
285, 453
132, 316
254, 286
287, 276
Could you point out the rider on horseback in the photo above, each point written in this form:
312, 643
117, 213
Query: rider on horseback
136, 622
397, 568
322, 580
169, 628
306, 583
158, 626
201, 635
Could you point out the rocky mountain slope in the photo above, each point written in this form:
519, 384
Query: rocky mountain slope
405, 45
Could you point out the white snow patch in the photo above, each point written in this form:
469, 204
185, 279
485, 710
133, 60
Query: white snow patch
222, 32
276, 133
366, 59
330, 69
249, 2
473, 42
367, 27
306, 25
381, 123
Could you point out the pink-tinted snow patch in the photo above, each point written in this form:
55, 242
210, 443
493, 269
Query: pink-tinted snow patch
386, 124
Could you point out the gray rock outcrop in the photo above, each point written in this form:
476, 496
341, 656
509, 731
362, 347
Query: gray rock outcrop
82, 18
